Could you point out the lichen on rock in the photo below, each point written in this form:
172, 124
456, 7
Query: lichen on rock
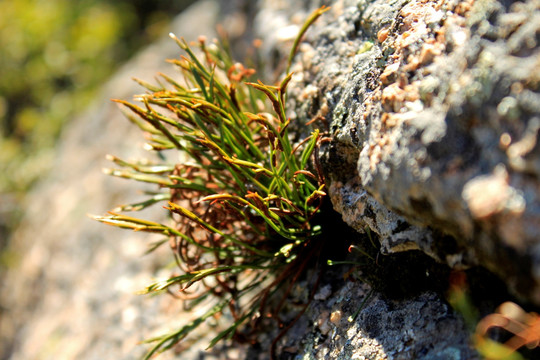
434, 128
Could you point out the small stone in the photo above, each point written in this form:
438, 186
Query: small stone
335, 317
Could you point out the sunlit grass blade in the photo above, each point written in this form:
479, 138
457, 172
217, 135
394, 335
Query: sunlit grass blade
147, 85
191, 216
136, 224
311, 19
268, 91
188, 279
147, 169
229, 332
308, 150
143, 204
167, 341
272, 219
142, 177
183, 183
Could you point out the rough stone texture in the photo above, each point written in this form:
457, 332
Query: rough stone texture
434, 115
422, 327
433, 148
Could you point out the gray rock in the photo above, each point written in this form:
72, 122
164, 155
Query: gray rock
422, 327
434, 116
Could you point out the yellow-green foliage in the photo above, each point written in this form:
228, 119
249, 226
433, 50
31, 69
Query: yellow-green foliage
54, 55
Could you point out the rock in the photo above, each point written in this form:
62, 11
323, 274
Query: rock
434, 116
422, 327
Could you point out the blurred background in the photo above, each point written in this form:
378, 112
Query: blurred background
54, 55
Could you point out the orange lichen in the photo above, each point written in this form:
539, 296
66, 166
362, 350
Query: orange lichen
429, 51
389, 73
394, 96
389, 120
463, 7
383, 34
505, 140
335, 317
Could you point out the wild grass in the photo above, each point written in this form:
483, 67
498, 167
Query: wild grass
244, 200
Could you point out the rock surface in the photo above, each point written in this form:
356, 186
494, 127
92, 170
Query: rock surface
434, 111
433, 116
421, 327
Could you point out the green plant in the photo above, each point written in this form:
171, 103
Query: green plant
244, 199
